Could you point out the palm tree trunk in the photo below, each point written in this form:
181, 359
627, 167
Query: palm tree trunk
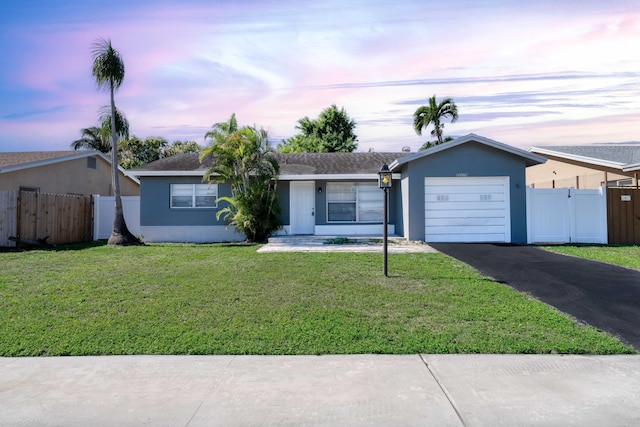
120, 235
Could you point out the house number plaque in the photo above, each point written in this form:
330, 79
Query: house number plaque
625, 198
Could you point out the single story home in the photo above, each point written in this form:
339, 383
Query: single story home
586, 166
471, 189
81, 172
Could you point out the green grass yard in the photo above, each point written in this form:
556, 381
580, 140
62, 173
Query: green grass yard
221, 299
626, 256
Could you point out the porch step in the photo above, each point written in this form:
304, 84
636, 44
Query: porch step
323, 240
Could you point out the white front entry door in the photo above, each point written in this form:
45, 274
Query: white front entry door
303, 204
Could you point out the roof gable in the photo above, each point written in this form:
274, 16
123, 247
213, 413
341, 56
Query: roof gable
15, 161
530, 158
10, 161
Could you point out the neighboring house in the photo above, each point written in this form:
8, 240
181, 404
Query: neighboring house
586, 166
80, 172
471, 189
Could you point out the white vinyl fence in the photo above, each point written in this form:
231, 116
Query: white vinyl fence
104, 211
566, 215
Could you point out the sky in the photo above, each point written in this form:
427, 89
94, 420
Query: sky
524, 73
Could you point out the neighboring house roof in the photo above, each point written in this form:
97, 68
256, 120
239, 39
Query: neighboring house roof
15, 161
292, 166
617, 156
530, 158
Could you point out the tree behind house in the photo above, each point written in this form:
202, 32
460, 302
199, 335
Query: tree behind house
433, 114
332, 131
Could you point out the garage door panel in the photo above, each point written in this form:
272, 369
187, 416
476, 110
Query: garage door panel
469, 238
455, 222
466, 229
456, 189
466, 209
467, 206
464, 198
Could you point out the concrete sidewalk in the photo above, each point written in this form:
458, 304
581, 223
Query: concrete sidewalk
356, 390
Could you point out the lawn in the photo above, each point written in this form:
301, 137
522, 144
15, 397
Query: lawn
626, 256
221, 299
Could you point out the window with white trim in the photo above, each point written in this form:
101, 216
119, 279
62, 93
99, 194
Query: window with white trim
194, 195
354, 202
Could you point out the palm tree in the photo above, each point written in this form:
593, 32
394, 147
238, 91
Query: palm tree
432, 114
222, 130
92, 139
108, 71
245, 161
99, 138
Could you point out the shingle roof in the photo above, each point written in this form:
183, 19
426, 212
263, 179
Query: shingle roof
25, 157
623, 154
334, 163
290, 164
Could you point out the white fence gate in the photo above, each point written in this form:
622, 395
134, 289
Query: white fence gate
566, 215
104, 211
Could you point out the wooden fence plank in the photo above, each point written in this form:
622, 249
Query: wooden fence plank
623, 211
59, 218
8, 217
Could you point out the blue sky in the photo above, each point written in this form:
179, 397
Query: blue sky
521, 72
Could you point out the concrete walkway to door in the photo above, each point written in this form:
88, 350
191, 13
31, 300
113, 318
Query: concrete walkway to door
599, 294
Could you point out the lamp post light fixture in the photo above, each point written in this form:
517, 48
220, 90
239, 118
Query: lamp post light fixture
384, 182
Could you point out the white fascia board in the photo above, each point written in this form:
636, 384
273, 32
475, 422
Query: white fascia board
333, 177
576, 158
166, 173
310, 177
632, 168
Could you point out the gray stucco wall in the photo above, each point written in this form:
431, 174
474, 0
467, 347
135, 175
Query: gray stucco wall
155, 208
284, 196
321, 203
469, 160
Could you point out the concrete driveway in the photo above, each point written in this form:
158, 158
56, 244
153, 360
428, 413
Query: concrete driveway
599, 294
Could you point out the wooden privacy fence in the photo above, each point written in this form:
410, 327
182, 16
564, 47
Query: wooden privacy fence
32, 216
623, 208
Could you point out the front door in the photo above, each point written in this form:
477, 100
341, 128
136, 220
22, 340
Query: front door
303, 203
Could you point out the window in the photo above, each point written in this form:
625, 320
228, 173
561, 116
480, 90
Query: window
354, 202
194, 195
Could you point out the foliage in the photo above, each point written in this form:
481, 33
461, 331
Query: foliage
108, 72
432, 114
93, 138
430, 144
333, 131
178, 147
132, 151
221, 299
244, 160
99, 138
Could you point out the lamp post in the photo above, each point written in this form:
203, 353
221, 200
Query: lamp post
384, 182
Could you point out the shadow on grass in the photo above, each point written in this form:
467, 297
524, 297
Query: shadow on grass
65, 247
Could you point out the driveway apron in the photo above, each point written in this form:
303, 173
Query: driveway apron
599, 294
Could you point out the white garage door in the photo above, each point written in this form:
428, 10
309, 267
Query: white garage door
465, 209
